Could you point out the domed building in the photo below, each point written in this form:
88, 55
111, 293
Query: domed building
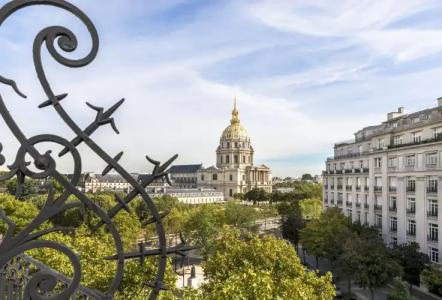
234, 171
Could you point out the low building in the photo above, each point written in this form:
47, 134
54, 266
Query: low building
189, 196
184, 176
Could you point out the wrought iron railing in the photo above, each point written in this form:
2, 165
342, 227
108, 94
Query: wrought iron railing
59, 41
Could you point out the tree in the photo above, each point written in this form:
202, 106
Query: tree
325, 236
292, 221
257, 195
30, 187
307, 177
413, 262
311, 208
240, 216
432, 277
399, 292
371, 262
250, 267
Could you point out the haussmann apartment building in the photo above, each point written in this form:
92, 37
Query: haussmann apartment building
390, 176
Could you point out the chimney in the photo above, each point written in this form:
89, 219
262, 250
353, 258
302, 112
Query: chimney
401, 110
439, 101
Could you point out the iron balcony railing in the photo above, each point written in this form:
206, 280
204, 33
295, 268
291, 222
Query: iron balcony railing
411, 232
438, 138
348, 203
432, 238
392, 189
378, 206
392, 208
366, 188
339, 202
358, 188
358, 204
366, 205
378, 188
393, 229
348, 187
432, 213
349, 155
339, 186
411, 210
411, 189
332, 187
432, 189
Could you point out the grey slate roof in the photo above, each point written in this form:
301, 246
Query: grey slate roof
185, 168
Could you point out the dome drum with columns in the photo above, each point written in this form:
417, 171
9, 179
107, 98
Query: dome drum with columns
234, 171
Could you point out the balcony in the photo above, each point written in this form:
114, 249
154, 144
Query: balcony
348, 187
431, 165
366, 205
393, 229
411, 211
432, 140
339, 186
349, 155
433, 238
378, 206
358, 204
392, 208
432, 213
348, 171
392, 189
358, 188
366, 188
332, 187
338, 171
365, 170
378, 188
357, 170
391, 169
432, 190
348, 203
339, 202
411, 189
411, 233
332, 201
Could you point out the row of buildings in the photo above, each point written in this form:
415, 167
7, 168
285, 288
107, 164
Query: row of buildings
390, 176
233, 173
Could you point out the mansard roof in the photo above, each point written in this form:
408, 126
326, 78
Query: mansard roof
185, 168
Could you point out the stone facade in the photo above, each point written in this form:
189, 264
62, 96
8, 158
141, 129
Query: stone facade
234, 171
389, 177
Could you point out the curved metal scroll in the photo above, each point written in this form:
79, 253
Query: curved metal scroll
14, 244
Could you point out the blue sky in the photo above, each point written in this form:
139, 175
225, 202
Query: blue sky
306, 74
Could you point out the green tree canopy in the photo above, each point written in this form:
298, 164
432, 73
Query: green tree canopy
249, 267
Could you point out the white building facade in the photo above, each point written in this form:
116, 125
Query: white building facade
389, 177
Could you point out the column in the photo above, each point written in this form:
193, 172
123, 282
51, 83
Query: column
421, 213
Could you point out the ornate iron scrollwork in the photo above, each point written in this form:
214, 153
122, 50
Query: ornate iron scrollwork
14, 244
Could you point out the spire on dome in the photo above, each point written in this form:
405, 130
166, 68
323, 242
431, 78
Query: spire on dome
235, 113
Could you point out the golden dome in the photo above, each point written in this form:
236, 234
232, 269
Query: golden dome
235, 130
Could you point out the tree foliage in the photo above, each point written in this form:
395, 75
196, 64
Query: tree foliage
432, 277
249, 267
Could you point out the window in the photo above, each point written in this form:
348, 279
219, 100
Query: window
202, 177
397, 140
392, 162
411, 228
360, 149
433, 232
236, 144
410, 161
361, 164
243, 159
411, 185
431, 159
366, 217
411, 205
393, 224
378, 162
392, 201
231, 177
378, 181
432, 184
227, 159
432, 207
230, 192
437, 132
416, 136
214, 176
379, 221
228, 145
381, 143
434, 254
358, 217
236, 159
243, 177
393, 240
